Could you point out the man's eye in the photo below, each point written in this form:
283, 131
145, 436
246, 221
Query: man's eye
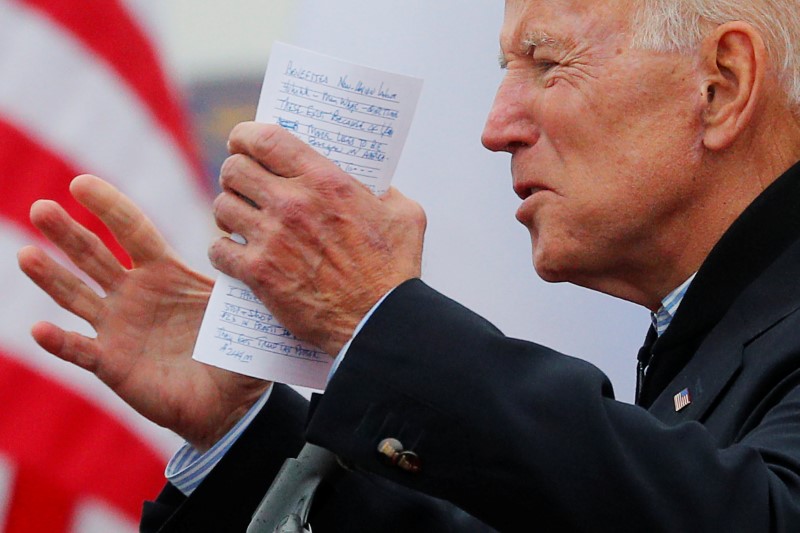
545, 71
543, 65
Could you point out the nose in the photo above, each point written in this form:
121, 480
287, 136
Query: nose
510, 123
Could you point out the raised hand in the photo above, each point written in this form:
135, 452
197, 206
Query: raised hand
146, 323
321, 248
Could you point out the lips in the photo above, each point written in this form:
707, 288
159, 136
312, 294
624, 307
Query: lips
525, 191
526, 210
525, 181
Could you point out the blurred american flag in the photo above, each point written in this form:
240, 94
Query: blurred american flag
82, 90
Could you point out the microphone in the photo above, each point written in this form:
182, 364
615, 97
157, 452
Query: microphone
287, 503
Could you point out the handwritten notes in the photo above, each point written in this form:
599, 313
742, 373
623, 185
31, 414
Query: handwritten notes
359, 118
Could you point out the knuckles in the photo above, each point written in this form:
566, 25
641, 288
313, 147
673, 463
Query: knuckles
294, 209
217, 206
267, 139
406, 209
416, 215
239, 133
233, 166
219, 256
255, 139
220, 208
334, 184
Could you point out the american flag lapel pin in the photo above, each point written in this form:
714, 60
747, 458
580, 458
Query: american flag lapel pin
682, 399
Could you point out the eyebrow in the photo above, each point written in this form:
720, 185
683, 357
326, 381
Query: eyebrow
534, 39
538, 38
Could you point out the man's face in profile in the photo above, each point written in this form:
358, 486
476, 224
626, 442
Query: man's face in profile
605, 139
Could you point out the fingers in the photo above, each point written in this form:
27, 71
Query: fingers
228, 257
69, 346
243, 176
263, 155
83, 247
60, 284
234, 215
276, 149
134, 231
246, 185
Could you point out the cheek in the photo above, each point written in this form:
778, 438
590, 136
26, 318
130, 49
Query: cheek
583, 136
575, 238
560, 228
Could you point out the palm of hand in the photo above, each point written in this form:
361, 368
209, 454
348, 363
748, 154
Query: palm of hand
147, 322
145, 339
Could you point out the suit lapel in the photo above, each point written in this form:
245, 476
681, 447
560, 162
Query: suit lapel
704, 377
730, 300
719, 357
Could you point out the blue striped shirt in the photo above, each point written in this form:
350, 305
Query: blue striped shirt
669, 305
189, 467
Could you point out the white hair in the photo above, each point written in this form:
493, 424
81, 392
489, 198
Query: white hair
680, 25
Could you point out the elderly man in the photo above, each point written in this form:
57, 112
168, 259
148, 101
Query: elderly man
652, 146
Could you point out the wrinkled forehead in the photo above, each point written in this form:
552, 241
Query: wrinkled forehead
574, 20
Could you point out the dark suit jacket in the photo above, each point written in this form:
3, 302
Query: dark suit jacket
515, 433
351, 502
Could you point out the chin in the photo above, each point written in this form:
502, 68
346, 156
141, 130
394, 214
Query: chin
550, 275
549, 268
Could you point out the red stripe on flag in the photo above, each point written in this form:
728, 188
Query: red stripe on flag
31, 172
105, 27
28, 513
53, 434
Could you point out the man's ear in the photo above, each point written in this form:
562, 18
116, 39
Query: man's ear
734, 61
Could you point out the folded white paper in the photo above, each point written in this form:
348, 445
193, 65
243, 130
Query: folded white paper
359, 118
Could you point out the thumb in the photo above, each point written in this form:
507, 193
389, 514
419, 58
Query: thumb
405, 207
